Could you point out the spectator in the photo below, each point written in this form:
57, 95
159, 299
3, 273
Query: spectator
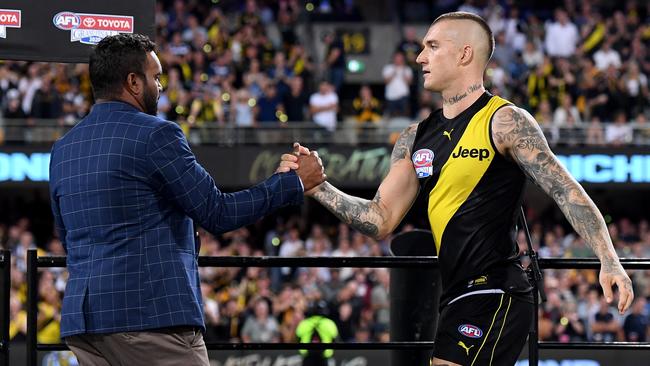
242, 110
636, 87
618, 133
193, 30
532, 55
367, 108
504, 54
334, 60
288, 13
296, 100
637, 325
379, 299
410, 46
49, 310
324, 105
230, 322
566, 114
595, 134
261, 326
210, 309
269, 106
29, 85
397, 78
302, 65
13, 109
561, 36
605, 327
570, 327
607, 56
280, 74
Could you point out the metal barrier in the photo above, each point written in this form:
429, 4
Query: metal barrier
34, 262
348, 132
5, 286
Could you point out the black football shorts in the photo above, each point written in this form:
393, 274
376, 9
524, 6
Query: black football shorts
483, 329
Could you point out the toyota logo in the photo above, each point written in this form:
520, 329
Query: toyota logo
89, 22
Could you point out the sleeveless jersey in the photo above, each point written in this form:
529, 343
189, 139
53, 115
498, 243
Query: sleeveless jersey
474, 194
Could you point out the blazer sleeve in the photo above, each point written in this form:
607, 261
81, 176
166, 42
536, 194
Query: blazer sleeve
56, 210
174, 171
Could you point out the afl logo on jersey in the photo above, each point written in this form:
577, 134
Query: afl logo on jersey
423, 162
470, 331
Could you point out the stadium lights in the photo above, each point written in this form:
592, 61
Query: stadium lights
356, 66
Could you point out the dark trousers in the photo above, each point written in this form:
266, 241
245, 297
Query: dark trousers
160, 347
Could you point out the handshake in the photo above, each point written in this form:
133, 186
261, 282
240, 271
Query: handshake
307, 165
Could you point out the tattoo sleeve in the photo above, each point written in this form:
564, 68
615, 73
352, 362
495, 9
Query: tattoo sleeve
364, 215
370, 217
518, 133
404, 144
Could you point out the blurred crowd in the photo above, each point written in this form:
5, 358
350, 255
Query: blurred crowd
581, 69
266, 304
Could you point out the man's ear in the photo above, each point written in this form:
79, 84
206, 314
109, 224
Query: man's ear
134, 83
466, 55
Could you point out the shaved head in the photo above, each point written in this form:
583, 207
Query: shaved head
471, 30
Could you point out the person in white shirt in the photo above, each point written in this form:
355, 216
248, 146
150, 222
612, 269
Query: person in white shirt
606, 56
397, 76
618, 133
561, 36
324, 105
566, 114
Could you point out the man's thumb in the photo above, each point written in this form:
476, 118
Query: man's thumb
607, 291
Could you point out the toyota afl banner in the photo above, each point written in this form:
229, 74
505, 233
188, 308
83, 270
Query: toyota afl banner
66, 30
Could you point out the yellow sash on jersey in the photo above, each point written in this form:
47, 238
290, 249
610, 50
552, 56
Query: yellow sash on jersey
463, 170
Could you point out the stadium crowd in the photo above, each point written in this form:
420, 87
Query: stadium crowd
581, 69
266, 304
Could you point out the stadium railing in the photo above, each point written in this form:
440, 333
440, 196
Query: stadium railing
34, 262
17, 131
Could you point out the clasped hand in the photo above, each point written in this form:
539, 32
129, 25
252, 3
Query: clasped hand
307, 164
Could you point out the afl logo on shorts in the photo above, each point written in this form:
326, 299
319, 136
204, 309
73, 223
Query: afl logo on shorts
470, 331
423, 162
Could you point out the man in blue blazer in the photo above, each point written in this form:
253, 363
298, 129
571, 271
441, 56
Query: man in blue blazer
125, 191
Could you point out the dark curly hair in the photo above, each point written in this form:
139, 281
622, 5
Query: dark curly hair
114, 58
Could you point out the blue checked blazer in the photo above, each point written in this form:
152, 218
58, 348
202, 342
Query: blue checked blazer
125, 188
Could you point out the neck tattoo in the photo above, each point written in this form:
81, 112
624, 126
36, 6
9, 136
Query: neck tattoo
460, 96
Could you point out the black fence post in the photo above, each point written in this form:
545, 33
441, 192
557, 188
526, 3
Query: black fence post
533, 335
414, 298
4, 306
32, 306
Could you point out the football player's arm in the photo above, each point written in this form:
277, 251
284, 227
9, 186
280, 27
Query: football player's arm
378, 217
518, 136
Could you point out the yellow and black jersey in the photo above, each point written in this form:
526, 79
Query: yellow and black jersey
473, 195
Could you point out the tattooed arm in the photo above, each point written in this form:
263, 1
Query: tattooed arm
518, 136
378, 217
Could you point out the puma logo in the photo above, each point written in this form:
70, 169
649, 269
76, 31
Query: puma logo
448, 134
464, 346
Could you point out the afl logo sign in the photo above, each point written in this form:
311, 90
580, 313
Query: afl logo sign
423, 162
66, 20
470, 331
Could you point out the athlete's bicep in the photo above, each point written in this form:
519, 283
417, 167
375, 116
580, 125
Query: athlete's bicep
517, 134
400, 187
398, 191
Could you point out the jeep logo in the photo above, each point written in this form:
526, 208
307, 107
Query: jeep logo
471, 153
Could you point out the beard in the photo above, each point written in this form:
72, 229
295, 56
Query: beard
150, 99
